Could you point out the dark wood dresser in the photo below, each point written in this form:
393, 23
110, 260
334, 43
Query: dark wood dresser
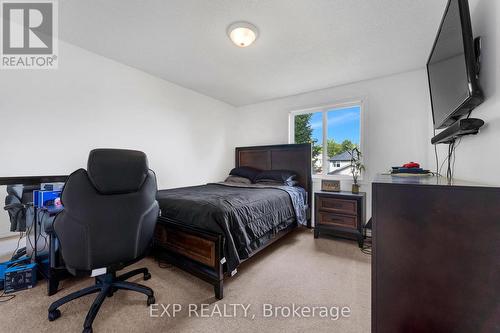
340, 214
436, 256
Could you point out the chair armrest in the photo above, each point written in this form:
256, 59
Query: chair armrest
13, 205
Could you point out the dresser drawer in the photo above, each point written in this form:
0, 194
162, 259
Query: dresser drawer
348, 221
334, 205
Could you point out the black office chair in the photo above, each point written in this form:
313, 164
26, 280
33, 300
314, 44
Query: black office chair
108, 222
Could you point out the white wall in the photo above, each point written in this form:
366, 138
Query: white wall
395, 121
51, 119
477, 157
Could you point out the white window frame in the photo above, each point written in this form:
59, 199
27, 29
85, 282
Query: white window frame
324, 109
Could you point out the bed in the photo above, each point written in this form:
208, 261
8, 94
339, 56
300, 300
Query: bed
209, 230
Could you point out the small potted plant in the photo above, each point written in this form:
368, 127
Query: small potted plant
356, 168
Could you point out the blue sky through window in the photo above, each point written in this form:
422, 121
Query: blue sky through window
343, 124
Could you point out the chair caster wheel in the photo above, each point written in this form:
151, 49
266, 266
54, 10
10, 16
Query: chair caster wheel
147, 276
53, 315
87, 330
151, 300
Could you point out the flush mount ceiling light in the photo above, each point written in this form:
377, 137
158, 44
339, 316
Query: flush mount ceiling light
242, 33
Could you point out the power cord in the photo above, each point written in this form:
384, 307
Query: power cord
438, 170
163, 263
367, 243
451, 148
21, 236
367, 246
455, 157
451, 158
6, 298
451, 154
42, 231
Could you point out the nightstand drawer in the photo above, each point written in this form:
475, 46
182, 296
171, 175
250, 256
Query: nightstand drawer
332, 219
335, 205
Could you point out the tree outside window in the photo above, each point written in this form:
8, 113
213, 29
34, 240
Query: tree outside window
304, 134
333, 132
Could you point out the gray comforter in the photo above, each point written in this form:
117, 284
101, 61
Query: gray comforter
245, 214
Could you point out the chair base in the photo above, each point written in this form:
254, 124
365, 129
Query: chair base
105, 285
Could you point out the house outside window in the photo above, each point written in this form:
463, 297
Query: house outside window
334, 131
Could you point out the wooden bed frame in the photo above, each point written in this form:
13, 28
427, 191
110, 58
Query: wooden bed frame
200, 252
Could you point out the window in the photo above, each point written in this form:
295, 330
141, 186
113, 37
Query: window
333, 131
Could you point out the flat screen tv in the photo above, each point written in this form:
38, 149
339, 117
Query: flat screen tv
453, 67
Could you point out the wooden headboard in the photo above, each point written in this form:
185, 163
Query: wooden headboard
294, 157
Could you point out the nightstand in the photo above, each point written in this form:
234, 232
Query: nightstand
340, 214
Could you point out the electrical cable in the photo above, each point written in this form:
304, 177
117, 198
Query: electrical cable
367, 245
21, 235
436, 155
451, 158
442, 164
367, 242
6, 298
28, 239
450, 153
40, 234
163, 263
455, 157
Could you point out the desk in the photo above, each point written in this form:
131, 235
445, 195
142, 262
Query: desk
54, 271
48, 263
31, 180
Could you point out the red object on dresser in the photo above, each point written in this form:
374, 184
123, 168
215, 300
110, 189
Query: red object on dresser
411, 165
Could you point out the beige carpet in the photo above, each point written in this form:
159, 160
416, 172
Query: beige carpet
297, 269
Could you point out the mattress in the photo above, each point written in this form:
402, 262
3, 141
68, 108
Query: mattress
245, 214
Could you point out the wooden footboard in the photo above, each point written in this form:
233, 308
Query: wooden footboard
198, 251
194, 250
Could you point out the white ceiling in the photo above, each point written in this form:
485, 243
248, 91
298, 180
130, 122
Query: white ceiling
304, 45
